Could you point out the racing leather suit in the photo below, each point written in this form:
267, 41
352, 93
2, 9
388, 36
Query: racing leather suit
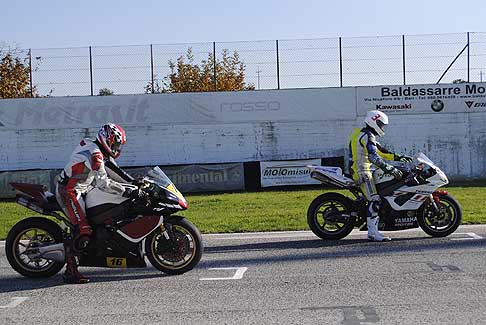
87, 167
366, 150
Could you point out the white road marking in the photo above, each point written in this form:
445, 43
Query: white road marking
269, 236
237, 276
472, 236
15, 302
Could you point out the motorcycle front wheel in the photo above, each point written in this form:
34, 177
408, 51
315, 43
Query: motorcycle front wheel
328, 216
180, 252
22, 241
441, 223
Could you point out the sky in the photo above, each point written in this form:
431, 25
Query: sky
61, 23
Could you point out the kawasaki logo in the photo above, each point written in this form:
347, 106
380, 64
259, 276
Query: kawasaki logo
393, 107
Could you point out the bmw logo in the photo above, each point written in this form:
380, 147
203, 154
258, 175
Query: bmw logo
437, 105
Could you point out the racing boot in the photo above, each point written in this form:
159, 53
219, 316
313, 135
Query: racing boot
82, 234
72, 275
373, 233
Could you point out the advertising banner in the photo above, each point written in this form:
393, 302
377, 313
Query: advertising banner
444, 98
294, 172
201, 178
170, 109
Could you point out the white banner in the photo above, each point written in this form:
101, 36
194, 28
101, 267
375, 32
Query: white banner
295, 172
444, 98
177, 109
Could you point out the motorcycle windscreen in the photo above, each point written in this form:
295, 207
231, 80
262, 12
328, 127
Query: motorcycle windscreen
159, 177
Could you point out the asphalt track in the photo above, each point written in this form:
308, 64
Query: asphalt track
275, 278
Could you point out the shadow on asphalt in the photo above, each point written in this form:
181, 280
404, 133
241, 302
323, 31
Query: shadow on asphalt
272, 252
98, 275
297, 250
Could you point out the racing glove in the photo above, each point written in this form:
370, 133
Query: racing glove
138, 181
390, 170
402, 158
135, 194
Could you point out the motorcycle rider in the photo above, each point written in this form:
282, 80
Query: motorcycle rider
366, 150
91, 164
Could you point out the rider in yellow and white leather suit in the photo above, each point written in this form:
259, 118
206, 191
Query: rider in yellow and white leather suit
365, 150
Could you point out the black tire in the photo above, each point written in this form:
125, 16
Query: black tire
323, 205
44, 231
443, 224
179, 256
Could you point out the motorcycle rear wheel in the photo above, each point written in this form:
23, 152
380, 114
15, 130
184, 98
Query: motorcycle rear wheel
28, 234
181, 252
320, 216
445, 222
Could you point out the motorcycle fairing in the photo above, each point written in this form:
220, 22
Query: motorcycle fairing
96, 197
331, 175
139, 228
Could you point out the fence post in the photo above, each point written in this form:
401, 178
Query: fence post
468, 57
30, 73
278, 65
403, 59
214, 67
340, 62
91, 70
152, 68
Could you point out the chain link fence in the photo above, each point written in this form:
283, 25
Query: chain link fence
276, 64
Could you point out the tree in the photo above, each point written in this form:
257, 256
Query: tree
187, 76
105, 92
14, 76
159, 86
459, 81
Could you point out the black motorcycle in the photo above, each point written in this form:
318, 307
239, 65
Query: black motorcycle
124, 230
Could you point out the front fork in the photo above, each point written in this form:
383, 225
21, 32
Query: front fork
164, 231
435, 200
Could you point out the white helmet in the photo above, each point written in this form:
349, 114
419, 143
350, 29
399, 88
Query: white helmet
376, 120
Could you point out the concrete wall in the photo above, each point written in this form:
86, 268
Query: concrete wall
201, 128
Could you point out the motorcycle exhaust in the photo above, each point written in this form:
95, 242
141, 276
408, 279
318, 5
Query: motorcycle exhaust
53, 252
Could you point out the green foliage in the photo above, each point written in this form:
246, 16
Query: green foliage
14, 76
459, 81
105, 92
188, 76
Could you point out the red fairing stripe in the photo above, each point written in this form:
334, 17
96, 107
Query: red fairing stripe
183, 204
140, 227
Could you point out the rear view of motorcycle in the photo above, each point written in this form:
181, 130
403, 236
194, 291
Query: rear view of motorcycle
411, 202
124, 231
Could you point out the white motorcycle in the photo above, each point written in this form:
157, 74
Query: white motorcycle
410, 202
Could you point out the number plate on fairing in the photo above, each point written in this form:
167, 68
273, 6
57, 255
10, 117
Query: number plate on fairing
118, 262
